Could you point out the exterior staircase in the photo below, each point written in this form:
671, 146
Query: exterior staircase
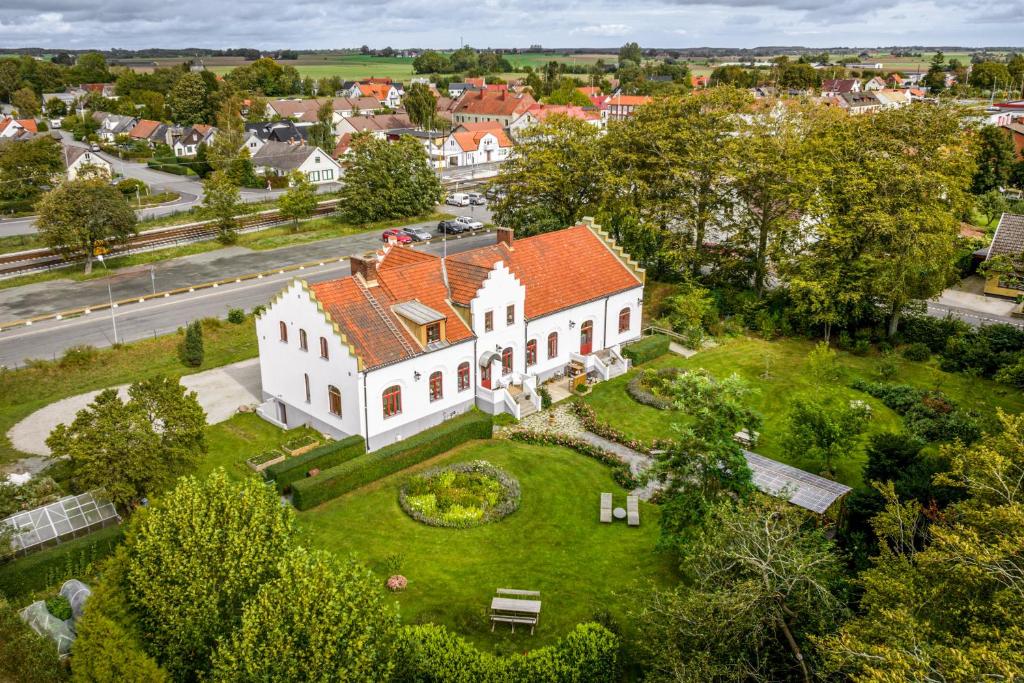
526, 406
614, 364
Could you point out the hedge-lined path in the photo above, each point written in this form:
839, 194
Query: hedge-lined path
560, 419
221, 392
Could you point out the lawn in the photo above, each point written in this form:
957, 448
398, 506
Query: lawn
231, 442
553, 543
25, 390
788, 378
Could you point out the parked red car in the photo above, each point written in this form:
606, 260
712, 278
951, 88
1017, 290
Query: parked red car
396, 235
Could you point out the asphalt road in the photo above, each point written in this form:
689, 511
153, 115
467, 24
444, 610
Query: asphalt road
969, 316
49, 339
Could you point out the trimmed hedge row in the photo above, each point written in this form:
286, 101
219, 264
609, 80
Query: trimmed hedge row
323, 457
24, 575
431, 654
621, 473
350, 475
646, 349
169, 167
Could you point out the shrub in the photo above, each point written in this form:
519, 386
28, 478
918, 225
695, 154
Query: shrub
259, 310
370, 467
79, 356
545, 398
330, 454
59, 607
646, 349
822, 364
430, 654
621, 473
47, 568
129, 186
929, 415
932, 332
460, 496
25, 656
861, 347
192, 345
917, 352
236, 316
642, 388
886, 366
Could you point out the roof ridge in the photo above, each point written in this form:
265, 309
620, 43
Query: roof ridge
385, 317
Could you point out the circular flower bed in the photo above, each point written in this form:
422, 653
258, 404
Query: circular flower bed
651, 387
460, 496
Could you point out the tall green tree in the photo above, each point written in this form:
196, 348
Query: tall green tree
134, 448
558, 174
227, 152
321, 133
950, 611
26, 102
299, 200
760, 583
822, 432
387, 180
195, 557
321, 618
935, 79
221, 197
28, 167
189, 100
90, 67
79, 216
421, 105
631, 52
995, 158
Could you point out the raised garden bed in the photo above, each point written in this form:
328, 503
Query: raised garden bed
260, 462
300, 445
652, 387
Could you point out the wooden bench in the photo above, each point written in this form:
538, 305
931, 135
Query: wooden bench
633, 510
515, 610
516, 591
606, 508
505, 619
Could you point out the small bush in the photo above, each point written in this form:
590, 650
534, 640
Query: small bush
330, 454
861, 347
236, 316
886, 367
360, 471
192, 345
545, 398
259, 310
25, 656
647, 349
917, 352
79, 356
59, 607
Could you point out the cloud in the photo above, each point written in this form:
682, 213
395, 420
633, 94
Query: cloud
603, 30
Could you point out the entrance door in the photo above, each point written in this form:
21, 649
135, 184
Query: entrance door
282, 413
485, 376
587, 338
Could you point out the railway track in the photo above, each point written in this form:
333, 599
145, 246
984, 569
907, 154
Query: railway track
34, 260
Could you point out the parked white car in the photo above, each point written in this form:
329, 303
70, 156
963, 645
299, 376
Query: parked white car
458, 199
470, 223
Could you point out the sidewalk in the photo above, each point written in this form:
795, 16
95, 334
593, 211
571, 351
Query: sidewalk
27, 301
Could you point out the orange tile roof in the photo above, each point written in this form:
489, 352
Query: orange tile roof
378, 91
573, 111
589, 90
143, 129
492, 103
630, 100
477, 81
481, 125
470, 140
343, 144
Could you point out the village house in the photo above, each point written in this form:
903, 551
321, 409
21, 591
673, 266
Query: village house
859, 102
893, 99
112, 125
874, 84
188, 142
384, 94
501, 107
539, 113
476, 143
1008, 241
838, 86
621, 107
378, 124
281, 158
17, 128
80, 161
152, 132
411, 339
256, 134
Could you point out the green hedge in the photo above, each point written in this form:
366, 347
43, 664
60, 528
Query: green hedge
341, 479
323, 457
169, 167
431, 654
646, 349
24, 575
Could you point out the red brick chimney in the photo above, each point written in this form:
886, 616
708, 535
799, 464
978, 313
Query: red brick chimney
506, 236
364, 266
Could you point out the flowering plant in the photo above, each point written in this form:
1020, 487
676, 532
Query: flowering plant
397, 583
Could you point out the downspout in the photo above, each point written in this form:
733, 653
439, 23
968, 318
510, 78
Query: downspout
366, 414
604, 333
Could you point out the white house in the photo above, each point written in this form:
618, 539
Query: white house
876, 83
80, 161
411, 339
281, 158
188, 143
480, 146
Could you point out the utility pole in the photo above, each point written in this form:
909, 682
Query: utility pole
113, 318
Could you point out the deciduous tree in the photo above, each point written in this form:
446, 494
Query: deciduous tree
299, 200
29, 166
221, 196
421, 105
321, 133
387, 180
189, 100
995, 159
26, 102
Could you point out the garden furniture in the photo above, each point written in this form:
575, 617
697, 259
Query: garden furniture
633, 510
606, 508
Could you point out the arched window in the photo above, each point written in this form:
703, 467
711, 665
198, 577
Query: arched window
392, 401
323, 348
552, 345
436, 388
334, 398
305, 379
283, 326
506, 361
463, 376
624, 320
531, 352
303, 341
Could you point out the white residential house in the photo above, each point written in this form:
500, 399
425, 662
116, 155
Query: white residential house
113, 125
281, 158
80, 161
188, 143
411, 339
875, 84
471, 147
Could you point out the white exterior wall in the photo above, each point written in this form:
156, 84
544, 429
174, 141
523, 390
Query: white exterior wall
282, 365
488, 143
616, 303
418, 411
315, 170
499, 290
88, 159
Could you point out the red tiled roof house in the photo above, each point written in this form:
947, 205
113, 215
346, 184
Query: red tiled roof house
411, 339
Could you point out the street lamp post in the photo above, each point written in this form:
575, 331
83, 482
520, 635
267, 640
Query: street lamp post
113, 318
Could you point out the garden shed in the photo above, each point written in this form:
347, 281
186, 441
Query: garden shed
64, 519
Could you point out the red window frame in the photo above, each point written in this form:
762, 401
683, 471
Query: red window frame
436, 386
463, 376
283, 329
506, 361
488, 321
624, 319
392, 401
531, 352
324, 353
510, 314
552, 345
334, 400
303, 340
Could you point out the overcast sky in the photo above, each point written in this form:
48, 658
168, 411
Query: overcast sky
269, 24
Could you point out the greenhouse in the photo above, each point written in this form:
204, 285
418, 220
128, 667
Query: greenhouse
65, 519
